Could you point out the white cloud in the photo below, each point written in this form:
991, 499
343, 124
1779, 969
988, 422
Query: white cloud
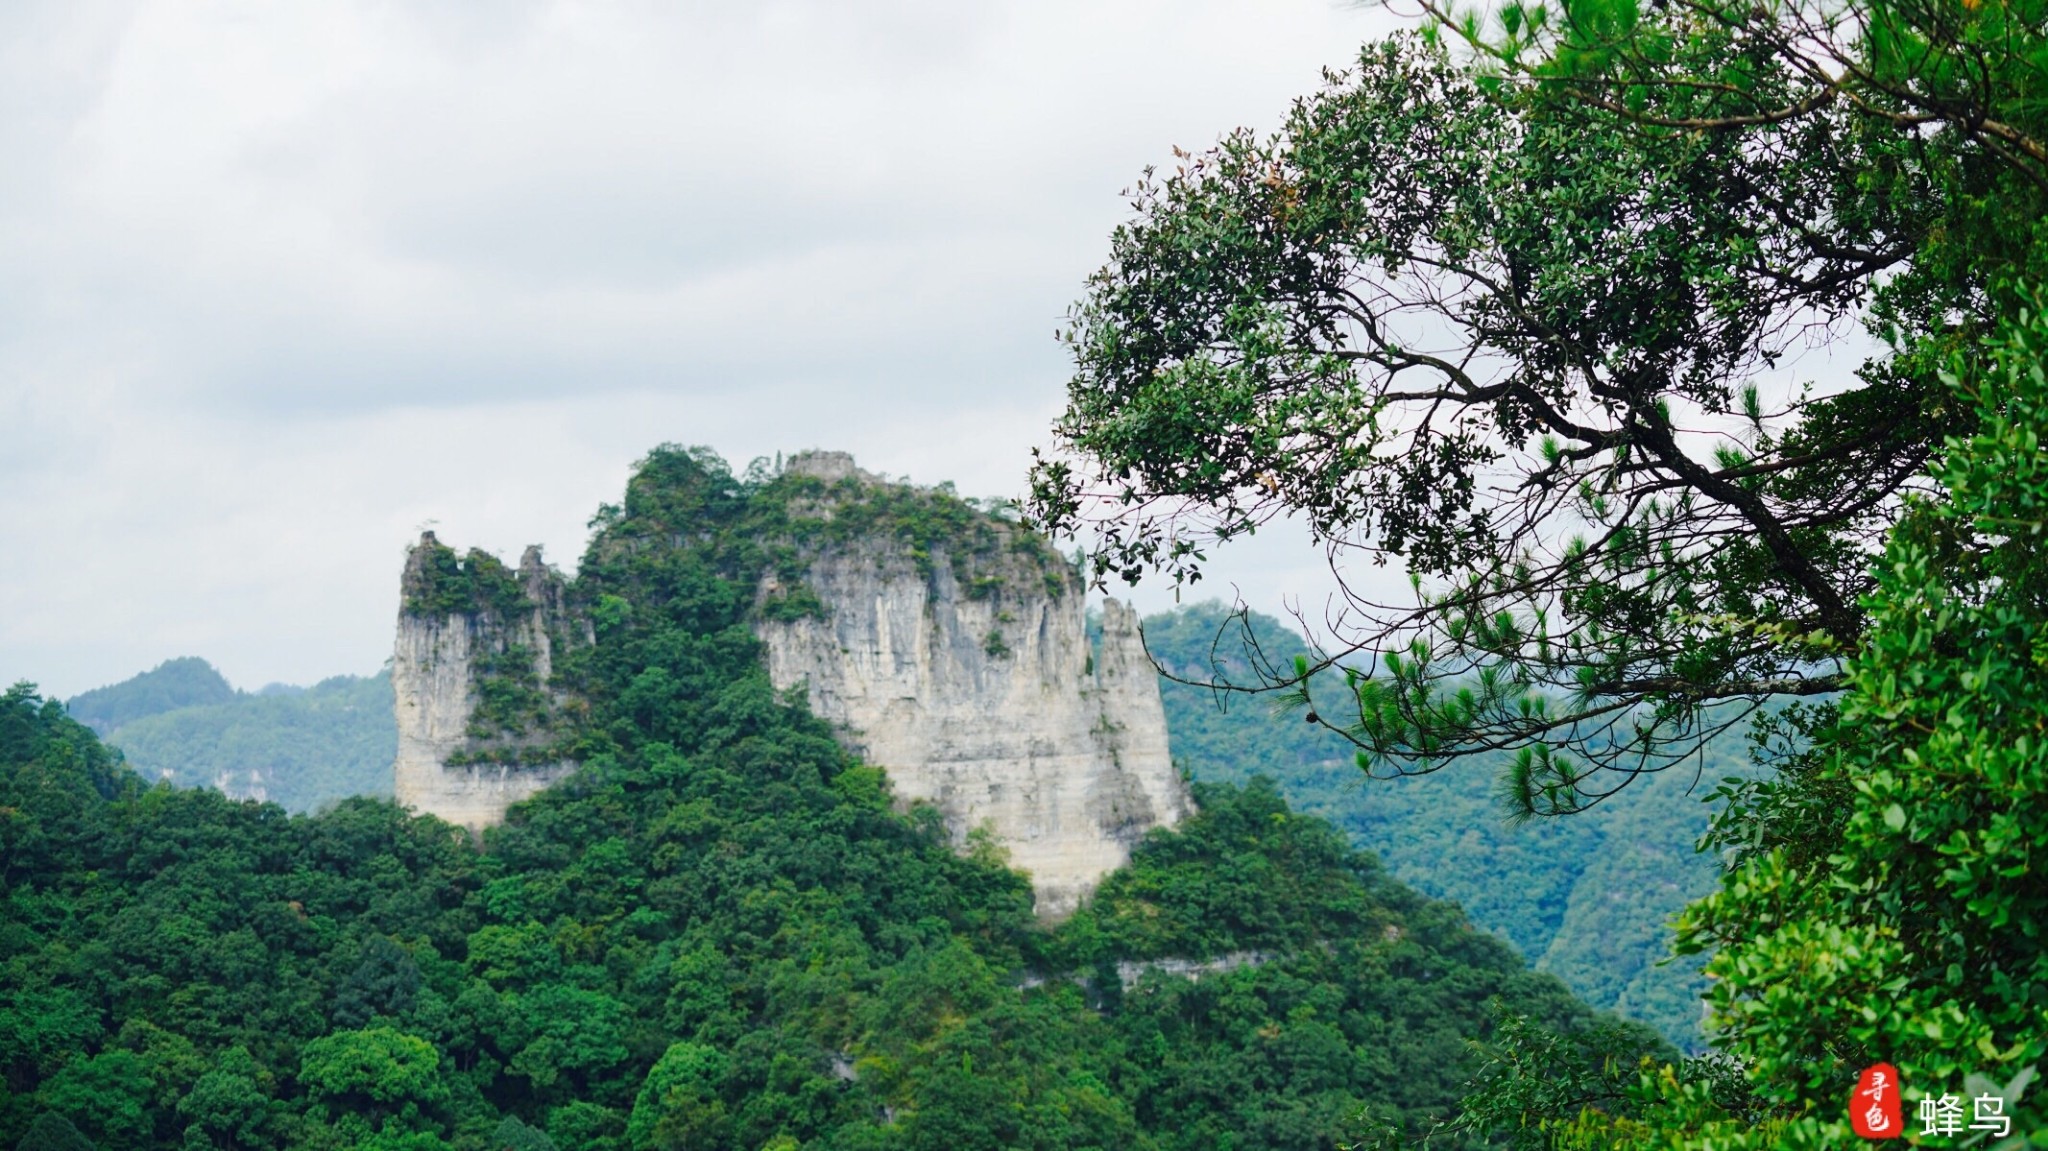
285, 281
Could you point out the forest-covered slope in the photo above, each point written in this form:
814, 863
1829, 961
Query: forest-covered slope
720, 933
173, 684
1586, 898
182, 722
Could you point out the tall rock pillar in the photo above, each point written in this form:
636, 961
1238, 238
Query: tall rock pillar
982, 696
464, 622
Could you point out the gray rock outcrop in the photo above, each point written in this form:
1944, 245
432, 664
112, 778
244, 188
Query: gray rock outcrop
961, 666
451, 636
990, 706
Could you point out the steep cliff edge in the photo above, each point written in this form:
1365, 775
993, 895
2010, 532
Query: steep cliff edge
945, 644
966, 674
471, 680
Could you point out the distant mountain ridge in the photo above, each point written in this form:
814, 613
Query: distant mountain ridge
175, 683
297, 747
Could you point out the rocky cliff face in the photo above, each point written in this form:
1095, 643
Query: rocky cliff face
981, 695
471, 677
961, 665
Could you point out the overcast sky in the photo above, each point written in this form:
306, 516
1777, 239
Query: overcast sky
284, 283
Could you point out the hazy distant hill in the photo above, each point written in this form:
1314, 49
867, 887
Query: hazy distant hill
1585, 897
295, 747
176, 683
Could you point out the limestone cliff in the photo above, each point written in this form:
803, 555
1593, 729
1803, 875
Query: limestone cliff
971, 681
947, 645
471, 675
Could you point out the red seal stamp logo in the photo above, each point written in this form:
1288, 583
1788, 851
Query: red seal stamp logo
1874, 1108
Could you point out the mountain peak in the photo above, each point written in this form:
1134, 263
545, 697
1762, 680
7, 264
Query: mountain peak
187, 681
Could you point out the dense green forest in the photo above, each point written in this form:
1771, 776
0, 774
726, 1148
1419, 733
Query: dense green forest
1588, 899
297, 748
721, 932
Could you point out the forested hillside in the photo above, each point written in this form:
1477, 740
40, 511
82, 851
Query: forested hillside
1587, 899
183, 723
176, 683
720, 933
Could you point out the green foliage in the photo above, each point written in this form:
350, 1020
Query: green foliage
386, 984
792, 516
1326, 958
720, 929
1882, 906
1504, 332
105, 1094
679, 1104
787, 605
1917, 892
585, 1126
231, 1103
510, 700
440, 583
1545, 1090
512, 1135
373, 1068
302, 749
172, 685
69, 764
1588, 899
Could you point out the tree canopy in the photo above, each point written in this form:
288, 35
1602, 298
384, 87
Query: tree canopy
1528, 331
1522, 318
1884, 902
